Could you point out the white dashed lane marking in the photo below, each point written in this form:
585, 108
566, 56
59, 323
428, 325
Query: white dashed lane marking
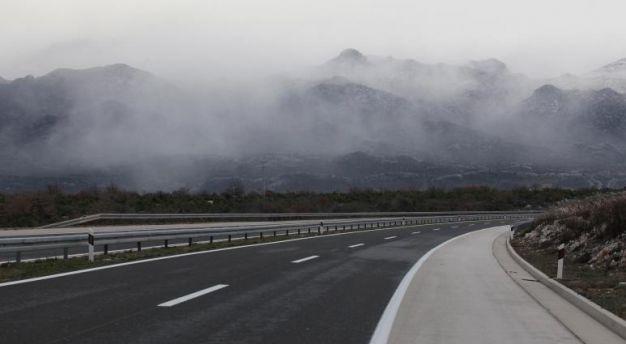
188, 297
302, 260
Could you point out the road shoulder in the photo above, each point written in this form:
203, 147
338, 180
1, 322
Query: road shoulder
462, 295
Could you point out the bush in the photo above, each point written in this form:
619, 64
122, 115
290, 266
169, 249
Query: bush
53, 205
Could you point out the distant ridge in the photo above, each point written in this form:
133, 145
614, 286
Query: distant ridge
350, 57
420, 124
618, 66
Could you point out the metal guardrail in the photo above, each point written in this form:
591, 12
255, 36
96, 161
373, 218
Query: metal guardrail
275, 216
18, 245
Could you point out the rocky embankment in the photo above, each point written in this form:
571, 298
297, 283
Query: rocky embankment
593, 231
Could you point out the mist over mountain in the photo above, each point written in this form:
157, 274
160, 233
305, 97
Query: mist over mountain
612, 75
354, 121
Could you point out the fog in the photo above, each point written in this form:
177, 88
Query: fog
213, 39
157, 95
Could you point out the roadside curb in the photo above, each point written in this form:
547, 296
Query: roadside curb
601, 315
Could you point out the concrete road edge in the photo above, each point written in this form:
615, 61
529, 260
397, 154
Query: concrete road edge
385, 323
606, 318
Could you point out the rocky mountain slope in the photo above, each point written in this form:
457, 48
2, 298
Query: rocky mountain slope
406, 123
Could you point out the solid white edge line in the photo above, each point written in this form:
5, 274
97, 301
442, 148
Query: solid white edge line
391, 237
356, 245
385, 324
141, 261
301, 260
188, 297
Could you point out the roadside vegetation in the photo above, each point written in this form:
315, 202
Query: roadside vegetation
593, 231
32, 209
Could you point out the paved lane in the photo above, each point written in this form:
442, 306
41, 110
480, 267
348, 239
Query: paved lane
263, 295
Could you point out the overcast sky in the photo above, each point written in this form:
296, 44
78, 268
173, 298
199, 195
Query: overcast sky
215, 38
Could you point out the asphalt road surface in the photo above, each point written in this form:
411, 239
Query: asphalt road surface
327, 289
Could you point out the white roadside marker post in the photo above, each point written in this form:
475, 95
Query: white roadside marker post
559, 268
91, 242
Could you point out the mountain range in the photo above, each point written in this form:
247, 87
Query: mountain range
356, 121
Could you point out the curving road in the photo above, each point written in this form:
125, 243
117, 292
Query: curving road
328, 289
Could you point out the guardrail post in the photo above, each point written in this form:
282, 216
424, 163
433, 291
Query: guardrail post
274, 234
18, 257
91, 241
260, 235
287, 232
138, 246
343, 229
298, 231
210, 239
229, 237
190, 241
65, 253
309, 230
245, 236
165, 244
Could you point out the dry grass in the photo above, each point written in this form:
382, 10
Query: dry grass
604, 213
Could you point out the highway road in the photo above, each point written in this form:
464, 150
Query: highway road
327, 289
210, 225
237, 229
